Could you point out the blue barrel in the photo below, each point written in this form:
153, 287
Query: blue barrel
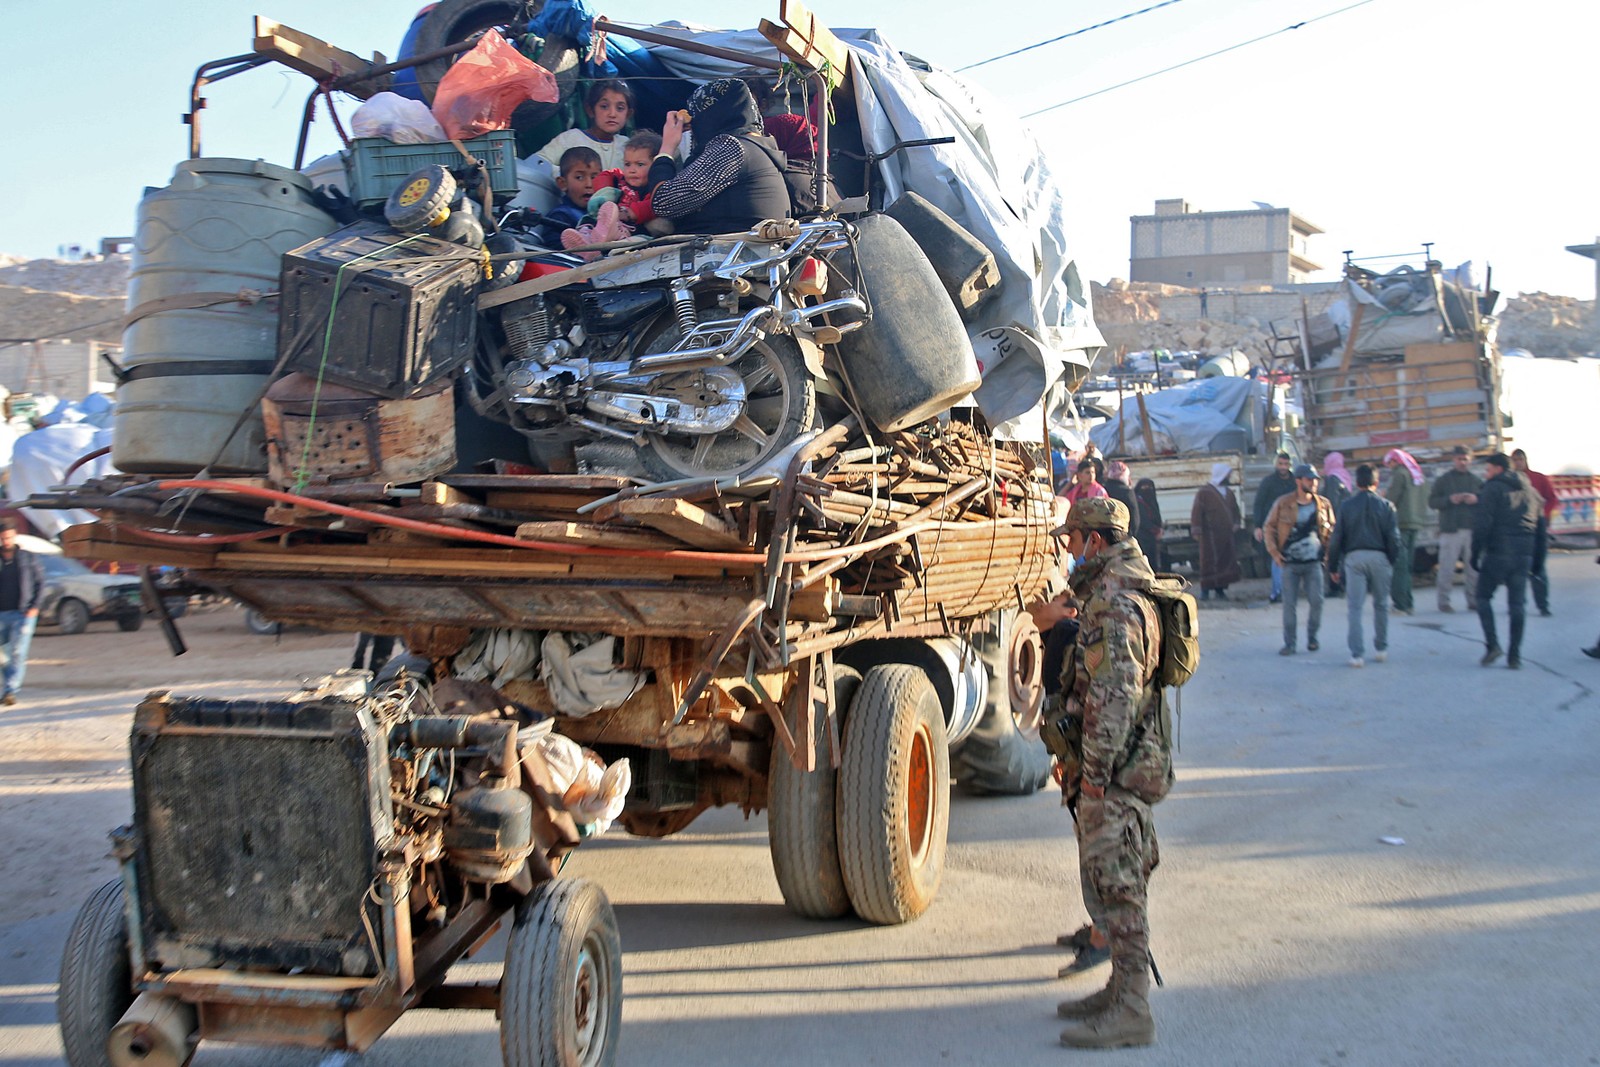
201, 337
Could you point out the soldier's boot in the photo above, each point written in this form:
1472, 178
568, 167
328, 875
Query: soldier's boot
1093, 1004
1125, 1020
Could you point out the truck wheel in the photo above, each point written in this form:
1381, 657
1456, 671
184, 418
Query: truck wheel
73, 615
258, 623
129, 623
96, 979
561, 994
894, 795
801, 820
1002, 755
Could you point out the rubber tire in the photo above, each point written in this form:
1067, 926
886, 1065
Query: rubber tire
129, 623
799, 414
888, 882
802, 832
913, 359
96, 977
538, 998
257, 623
997, 758
72, 615
454, 20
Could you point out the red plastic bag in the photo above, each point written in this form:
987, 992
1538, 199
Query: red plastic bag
479, 93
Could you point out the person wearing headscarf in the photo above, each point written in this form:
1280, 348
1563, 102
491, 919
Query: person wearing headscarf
1337, 485
733, 178
1149, 529
1410, 502
1117, 488
1212, 521
796, 137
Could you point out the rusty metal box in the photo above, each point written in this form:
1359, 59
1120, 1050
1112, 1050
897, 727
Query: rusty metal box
378, 311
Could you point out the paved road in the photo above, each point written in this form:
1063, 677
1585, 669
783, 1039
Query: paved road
1288, 933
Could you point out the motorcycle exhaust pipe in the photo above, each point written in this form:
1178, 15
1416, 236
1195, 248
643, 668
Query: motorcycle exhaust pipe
155, 1031
746, 334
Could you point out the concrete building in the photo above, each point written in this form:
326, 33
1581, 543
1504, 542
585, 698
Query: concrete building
1179, 245
68, 369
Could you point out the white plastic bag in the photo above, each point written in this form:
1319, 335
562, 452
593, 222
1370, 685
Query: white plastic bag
592, 793
395, 118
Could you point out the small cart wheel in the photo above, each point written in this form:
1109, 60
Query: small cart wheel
96, 980
561, 995
894, 795
801, 811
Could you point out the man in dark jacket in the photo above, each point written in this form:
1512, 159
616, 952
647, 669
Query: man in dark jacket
1548, 502
21, 586
1364, 546
1274, 485
1502, 551
1118, 487
1455, 496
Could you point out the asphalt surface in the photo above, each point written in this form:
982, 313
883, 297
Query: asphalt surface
1288, 931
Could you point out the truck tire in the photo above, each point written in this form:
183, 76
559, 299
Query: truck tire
561, 993
802, 830
96, 979
1000, 757
913, 359
72, 615
893, 795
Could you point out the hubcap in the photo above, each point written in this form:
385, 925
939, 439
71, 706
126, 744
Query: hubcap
591, 1000
920, 799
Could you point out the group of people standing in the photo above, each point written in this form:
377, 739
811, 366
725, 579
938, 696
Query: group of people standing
1497, 527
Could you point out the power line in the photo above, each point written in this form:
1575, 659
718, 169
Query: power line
1064, 36
1197, 59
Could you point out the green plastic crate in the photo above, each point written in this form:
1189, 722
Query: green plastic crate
377, 166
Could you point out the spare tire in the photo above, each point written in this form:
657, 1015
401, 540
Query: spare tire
456, 20
1000, 756
913, 358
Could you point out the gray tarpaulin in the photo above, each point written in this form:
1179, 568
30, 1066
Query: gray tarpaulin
1185, 418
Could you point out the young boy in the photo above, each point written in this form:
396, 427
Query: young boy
623, 187
578, 170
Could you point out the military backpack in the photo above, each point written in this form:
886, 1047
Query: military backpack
1180, 629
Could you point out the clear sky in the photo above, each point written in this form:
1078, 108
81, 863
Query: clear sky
1467, 123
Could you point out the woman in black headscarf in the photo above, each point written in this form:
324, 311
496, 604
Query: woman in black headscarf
1148, 532
733, 179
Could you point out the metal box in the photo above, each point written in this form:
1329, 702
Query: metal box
378, 311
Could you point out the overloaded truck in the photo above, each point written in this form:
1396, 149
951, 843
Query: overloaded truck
708, 519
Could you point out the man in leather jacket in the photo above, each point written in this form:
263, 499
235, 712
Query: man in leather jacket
1363, 548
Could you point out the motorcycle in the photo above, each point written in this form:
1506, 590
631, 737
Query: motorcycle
702, 354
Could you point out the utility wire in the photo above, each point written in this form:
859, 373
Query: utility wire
1064, 36
1197, 59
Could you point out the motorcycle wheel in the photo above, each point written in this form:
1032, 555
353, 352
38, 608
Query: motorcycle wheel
780, 405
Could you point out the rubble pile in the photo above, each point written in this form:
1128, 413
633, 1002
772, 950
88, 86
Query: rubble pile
1130, 318
1549, 325
52, 299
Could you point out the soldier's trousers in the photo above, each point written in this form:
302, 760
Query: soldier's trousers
1117, 850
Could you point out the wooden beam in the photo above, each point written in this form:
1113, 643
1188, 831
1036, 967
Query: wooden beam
804, 38
316, 58
586, 533
678, 518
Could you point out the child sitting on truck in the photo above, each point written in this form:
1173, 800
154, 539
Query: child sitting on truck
578, 169
624, 187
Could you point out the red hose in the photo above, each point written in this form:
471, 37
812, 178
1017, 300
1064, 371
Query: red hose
87, 457
457, 533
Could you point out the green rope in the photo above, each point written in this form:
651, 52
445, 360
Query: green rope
303, 475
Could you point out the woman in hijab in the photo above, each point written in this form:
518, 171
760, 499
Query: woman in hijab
1410, 500
733, 178
1149, 528
796, 137
1117, 488
1337, 485
1212, 521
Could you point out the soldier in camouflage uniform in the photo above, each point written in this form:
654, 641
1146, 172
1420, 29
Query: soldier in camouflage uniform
1112, 736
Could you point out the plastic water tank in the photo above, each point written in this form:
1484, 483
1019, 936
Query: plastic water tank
1233, 365
202, 341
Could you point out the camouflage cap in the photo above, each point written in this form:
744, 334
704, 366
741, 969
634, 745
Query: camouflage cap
1096, 513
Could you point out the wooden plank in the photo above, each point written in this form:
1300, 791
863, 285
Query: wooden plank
440, 495
598, 484
679, 518
316, 58
584, 533
531, 500
805, 39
